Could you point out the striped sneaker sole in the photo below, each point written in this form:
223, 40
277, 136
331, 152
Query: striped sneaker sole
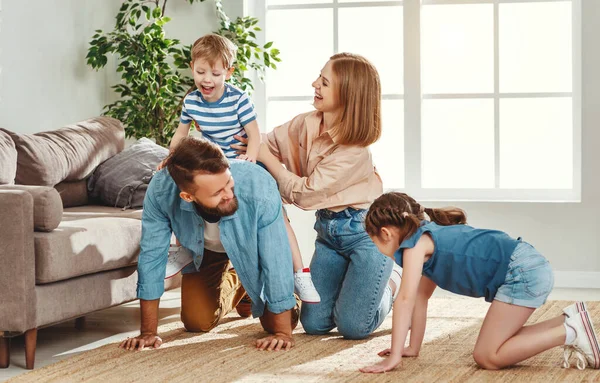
591, 334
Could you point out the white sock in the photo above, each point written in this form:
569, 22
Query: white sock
571, 335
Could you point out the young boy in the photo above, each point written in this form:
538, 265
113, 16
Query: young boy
220, 111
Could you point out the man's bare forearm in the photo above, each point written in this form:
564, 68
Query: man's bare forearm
149, 312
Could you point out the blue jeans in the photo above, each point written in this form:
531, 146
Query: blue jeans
350, 274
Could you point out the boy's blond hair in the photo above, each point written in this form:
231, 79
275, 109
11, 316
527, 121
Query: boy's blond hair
359, 94
213, 47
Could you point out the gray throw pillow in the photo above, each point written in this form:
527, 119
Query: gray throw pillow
122, 180
67, 154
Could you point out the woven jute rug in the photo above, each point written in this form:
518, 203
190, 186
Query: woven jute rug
227, 354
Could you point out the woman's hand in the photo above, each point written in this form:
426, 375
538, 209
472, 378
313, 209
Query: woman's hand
242, 147
388, 364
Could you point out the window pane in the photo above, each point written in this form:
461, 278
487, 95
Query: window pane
293, 2
458, 143
361, 1
535, 47
356, 29
388, 152
280, 112
458, 48
536, 143
304, 49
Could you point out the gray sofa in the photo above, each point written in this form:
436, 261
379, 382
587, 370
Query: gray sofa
61, 255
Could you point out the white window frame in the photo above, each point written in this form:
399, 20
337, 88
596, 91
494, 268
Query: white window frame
413, 100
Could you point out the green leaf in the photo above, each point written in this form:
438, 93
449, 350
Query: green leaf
268, 45
156, 12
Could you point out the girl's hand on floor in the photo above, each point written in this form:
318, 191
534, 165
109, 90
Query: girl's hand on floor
408, 352
388, 364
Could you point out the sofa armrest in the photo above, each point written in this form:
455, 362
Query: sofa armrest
47, 205
17, 260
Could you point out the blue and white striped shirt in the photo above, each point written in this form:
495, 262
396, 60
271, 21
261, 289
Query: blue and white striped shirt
219, 121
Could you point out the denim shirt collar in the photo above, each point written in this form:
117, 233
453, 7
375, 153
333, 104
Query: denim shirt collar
189, 206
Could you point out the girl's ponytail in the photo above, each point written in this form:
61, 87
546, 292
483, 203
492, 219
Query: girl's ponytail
447, 216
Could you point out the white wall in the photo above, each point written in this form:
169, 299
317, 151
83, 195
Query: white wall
568, 234
44, 80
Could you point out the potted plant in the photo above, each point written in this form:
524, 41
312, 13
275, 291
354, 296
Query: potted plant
151, 65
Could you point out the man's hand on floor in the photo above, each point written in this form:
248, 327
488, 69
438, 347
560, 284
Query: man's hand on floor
275, 342
141, 341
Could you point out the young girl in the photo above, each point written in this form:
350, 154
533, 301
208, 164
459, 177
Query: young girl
328, 167
474, 262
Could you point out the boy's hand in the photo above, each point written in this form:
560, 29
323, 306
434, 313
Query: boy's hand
247, 157
385, 365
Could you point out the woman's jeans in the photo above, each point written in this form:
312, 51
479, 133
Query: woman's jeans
350, 274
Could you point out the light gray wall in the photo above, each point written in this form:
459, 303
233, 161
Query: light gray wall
566, 233
44, 80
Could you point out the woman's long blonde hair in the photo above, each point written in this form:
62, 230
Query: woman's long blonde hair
359, 94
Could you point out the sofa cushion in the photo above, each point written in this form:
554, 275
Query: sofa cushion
73, 193
47, 206
8, 159
123, 179
85, 246
69, 299
67, 154
96, 211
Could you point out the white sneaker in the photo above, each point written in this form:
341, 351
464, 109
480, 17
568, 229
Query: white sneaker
585, 346
179, 257
304, 286
396, 277
570, 312
574, 309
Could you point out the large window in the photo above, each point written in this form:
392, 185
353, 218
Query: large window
481, 98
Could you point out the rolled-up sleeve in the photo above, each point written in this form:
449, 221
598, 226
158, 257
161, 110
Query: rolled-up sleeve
152, 262
275, 257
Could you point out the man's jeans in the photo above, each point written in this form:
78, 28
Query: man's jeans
350, 274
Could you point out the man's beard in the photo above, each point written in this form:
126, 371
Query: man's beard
218, 210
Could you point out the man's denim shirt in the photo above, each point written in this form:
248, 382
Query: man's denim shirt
254, 238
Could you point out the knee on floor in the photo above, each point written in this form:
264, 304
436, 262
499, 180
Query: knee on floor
201, 323
485, 360
352, 331
313, 328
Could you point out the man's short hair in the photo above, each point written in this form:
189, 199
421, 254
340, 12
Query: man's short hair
195, 156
